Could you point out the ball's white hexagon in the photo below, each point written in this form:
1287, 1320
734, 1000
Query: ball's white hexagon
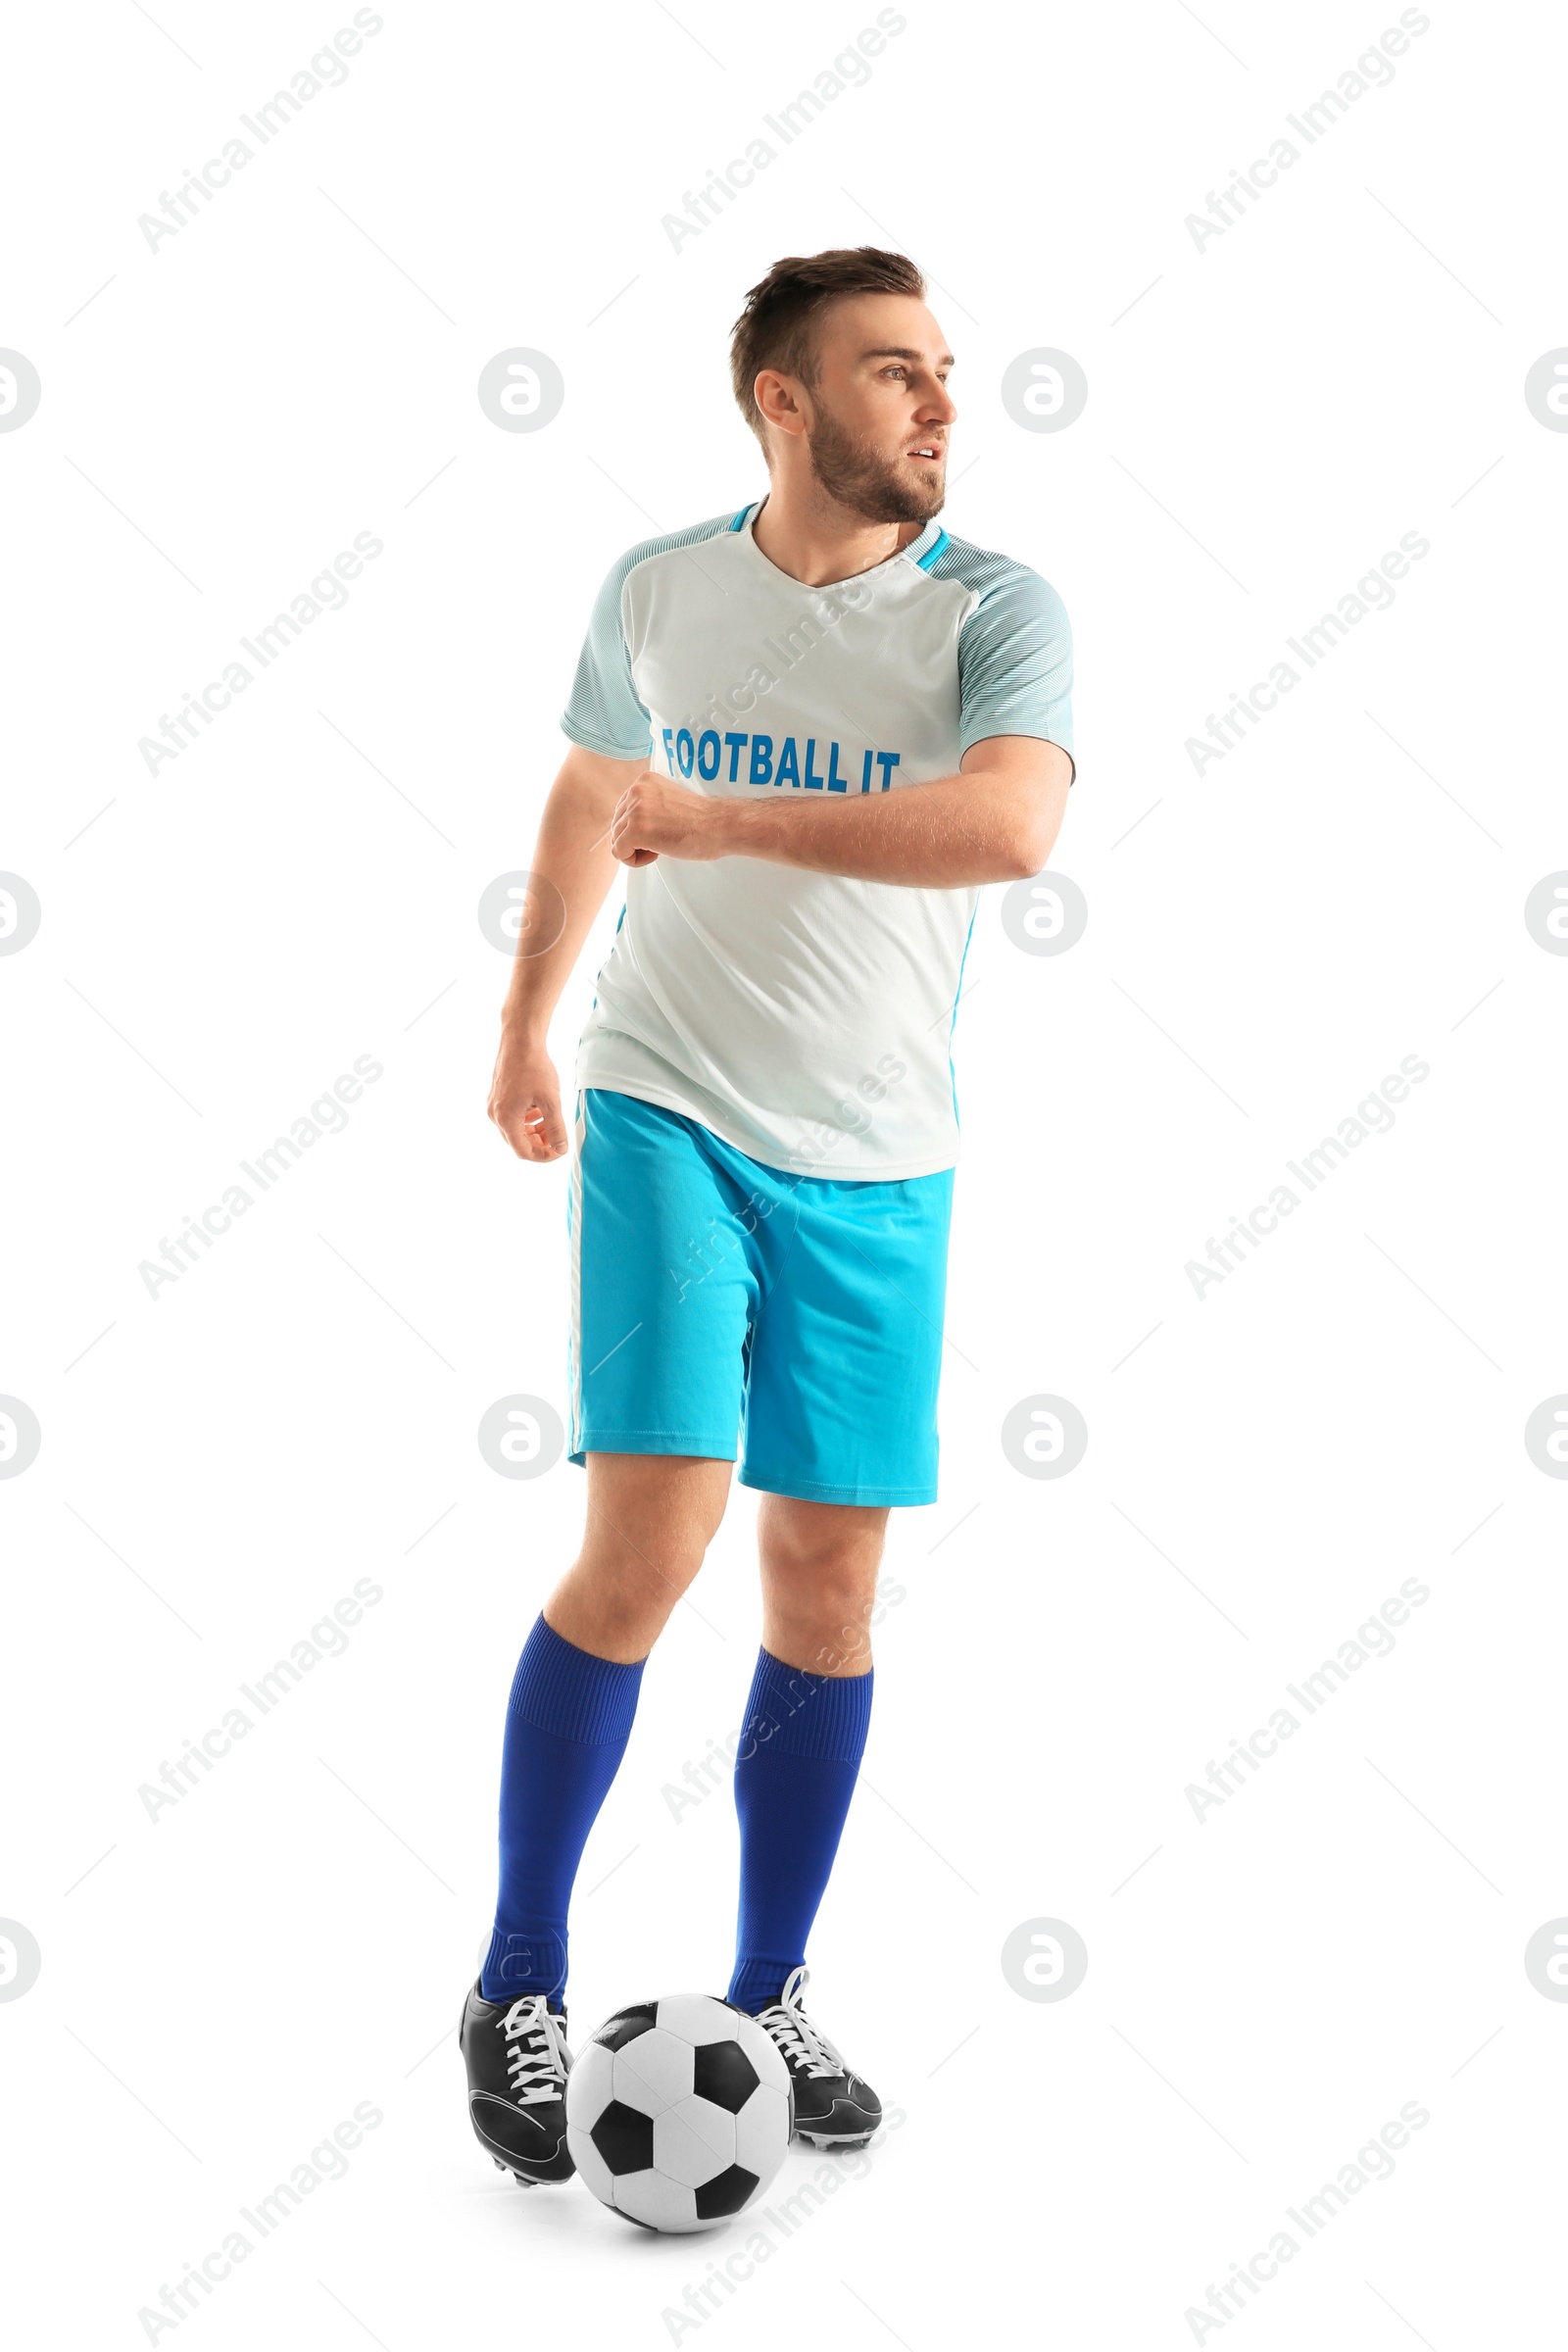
590, 2086
662, 2204
693, 2141
632, 2091
653, 2070
762, 2133
768, 2059
696, 2017
592, 2170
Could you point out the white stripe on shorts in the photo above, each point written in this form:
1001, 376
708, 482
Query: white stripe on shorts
574, 1277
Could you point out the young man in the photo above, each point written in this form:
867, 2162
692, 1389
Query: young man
810, 730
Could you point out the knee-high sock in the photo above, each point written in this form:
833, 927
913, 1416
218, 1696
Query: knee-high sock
794, 1777
567, 1724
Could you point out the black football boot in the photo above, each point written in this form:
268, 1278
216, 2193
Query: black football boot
833, 2107
518, 2061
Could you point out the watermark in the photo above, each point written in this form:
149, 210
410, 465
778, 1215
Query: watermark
1546, 1436
522, 914
1546, 914
19, 915
818, 610
1373, 1639
1546, 391
1044, 390
850, 69
521, 390
327, 2161
705, 1254
1045, 914
20, 1959
1044, 1436
327, 593
21, 390
521, 1437
1373, 70
716, 1764
328, 1115
1373, 2161
1373, 1116
724, 1236
1373, 593
1044, 1960
327, 70
769, 2228
328, 1638
1546, 1959
19, 1436
856, 1111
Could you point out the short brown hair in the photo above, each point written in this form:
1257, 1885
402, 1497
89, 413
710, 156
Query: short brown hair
774, 330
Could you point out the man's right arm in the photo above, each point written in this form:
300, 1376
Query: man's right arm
572, 869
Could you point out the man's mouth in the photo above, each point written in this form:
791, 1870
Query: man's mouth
932, 452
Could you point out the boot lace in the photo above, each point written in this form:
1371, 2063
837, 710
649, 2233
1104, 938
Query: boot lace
537, 2057
806, 2047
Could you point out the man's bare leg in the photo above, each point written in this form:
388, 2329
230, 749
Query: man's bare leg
819, 1563
651, 1518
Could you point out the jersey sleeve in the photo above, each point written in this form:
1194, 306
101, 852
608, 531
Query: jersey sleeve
1016, 663
603, 712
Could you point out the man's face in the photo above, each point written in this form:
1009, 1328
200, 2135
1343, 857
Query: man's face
878, 417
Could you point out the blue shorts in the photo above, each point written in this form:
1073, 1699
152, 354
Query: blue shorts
721, 1307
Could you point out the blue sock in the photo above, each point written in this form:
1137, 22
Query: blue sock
567, 1724
794, 1778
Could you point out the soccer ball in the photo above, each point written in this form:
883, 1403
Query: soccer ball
678, 2112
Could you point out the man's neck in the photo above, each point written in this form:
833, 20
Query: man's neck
820, 542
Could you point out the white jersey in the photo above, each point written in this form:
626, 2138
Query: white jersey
805, 1018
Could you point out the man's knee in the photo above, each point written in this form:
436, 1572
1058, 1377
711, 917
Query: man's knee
819, 1565
642, 1553
649, 1524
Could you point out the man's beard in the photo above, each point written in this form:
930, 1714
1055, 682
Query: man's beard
868, 484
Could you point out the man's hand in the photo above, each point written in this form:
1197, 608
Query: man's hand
526, 1099
654, 818
571, 871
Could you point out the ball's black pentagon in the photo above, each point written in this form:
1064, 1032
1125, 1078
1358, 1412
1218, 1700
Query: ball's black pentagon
725, 2194
625, 2138
626, 2024
722, 2071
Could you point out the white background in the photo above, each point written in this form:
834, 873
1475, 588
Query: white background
1265, 1465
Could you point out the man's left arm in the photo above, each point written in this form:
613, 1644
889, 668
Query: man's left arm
995, 821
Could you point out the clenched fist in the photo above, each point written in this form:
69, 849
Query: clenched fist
657, 818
